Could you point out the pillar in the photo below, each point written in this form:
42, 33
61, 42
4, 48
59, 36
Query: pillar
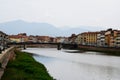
59, 47
24, 46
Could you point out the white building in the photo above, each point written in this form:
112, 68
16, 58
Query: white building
101, 39
117, 42
79, 39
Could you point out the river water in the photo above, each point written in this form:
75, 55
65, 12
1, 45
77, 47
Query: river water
77, 66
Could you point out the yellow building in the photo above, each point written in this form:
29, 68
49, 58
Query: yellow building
88, 38
18, 38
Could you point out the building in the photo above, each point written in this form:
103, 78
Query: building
66, 41
60, 39
32, 38
52, 40
18, 38
22, 34
79, 39
88, 38
101, 39
110, 36
117, 39
106, 38
72, 38
44, 39
3, 40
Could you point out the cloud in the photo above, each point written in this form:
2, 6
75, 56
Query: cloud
63, 12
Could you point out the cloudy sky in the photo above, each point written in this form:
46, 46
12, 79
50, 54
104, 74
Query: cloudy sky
63, 13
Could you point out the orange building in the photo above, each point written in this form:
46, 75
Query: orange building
110, 37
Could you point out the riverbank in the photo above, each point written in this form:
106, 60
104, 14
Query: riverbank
24, 67
104, 51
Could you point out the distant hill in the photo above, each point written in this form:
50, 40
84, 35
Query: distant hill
19, 26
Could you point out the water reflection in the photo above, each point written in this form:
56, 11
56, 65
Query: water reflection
72, 66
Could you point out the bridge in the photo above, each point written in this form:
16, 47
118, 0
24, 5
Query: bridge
59, 45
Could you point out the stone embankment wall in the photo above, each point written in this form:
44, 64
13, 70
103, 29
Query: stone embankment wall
101, 49
5, 56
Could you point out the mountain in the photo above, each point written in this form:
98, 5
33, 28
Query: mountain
19, 26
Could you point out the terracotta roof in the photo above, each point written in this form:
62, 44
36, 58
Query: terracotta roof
90, 33
17, 36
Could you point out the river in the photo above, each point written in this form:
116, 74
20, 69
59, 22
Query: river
77, 66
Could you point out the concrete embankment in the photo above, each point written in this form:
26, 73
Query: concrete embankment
5, 56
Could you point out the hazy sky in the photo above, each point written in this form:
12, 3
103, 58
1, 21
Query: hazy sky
63, 13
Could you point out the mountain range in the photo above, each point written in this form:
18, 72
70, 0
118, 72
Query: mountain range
46, 29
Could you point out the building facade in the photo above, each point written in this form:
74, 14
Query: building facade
32, 38
110, 38
18, 38
87, 38
117, 39
101, 39
44, 39
3, 40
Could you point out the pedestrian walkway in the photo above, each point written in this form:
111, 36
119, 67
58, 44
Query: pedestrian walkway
4, 58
